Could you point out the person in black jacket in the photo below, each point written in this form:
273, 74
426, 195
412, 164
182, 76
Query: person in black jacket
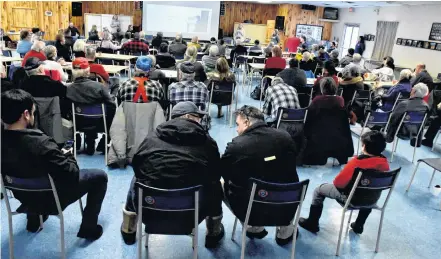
38, 84
165, 59
20, 142
260, 152
240, 49
422, 76
88, 92
72, 30
178, 154
156, 42
293, 76
63, 50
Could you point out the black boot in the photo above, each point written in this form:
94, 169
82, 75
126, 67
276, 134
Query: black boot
90, 233
79, 141
357, 226
312, 222
33, 224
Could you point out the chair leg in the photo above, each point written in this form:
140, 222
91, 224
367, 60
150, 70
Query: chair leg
63, 252
105, 149
341, 231
234, 229
413, 175
11, 236
434, 141
431, 178
195, 244
244, 231
414, 150
349, 221
394, 144
81, 207
41, 221
379, 231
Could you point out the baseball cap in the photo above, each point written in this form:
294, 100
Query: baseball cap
80, 63
187, 107
187, 67
144, 63
32, 63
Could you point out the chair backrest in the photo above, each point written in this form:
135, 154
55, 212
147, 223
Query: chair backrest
400, 97
91, 111
153, 51
309, 74
361, 95
339, 92
254, 53
291, 115
414, 117
267, 199
6, 53
378, 118
240, 59
367, 184
223, 86
259, 60
169, 211
36, 184
271, 71
178, 56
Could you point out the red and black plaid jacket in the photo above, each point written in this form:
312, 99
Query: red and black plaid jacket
136, 46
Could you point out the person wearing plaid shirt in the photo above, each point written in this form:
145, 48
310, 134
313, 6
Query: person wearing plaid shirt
278, 95
136, 45
129, 91
187, 89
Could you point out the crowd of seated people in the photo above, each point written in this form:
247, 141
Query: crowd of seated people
189, 155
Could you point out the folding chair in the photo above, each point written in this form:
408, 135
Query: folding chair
225, 87
305, 96
168, 212
33, 185
178, 57
291, 115
339, 92
400, 97
361, 95
92, 112
434, 163
6, 53
365, 183
238, 61
373, 119
410, 118
270, 197
435, 139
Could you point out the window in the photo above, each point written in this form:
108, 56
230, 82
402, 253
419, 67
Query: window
350, 37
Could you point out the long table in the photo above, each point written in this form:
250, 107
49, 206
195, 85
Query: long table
111, 69
117, 57
10, 59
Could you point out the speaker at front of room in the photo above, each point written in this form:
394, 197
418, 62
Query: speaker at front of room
280, 22
308, 7
77, 9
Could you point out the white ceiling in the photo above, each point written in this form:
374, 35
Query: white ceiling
353, 3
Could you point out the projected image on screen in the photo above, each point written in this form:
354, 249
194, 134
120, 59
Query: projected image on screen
168, 18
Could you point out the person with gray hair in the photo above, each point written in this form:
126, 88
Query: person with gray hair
156, 42
187, 89
95, 68
402, 88
352, 81
51, 63
209, 61
422, 76
107, 43
36, 51
190, 56
334, 57
356, 62
178, 47
257, 152
414, 104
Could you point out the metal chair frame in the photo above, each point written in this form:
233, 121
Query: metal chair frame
396, 139
347, 206
234, 97
295, 220
282, 110
95, 116
60, 216
140, 212
367, 122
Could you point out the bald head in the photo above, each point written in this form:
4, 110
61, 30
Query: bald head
420, 67
38, 46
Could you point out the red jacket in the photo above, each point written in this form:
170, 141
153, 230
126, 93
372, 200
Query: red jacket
292, 44
275, 62
365, 162
99, 69
33, 53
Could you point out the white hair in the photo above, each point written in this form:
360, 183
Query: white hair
90, 52
80, 73
141, 34
38, 46
107, 35
420, 90
351, 72
35, 71
356, 58
306, 56
184, 76
178, 37
213, 51
50, 52
79, 45
405, 74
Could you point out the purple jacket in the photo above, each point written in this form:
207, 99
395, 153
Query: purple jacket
389, 98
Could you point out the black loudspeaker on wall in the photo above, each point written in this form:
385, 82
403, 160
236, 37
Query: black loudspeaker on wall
308, 7
77, 9
220, 35
280, 23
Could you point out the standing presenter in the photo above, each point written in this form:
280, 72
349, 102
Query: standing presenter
240, 33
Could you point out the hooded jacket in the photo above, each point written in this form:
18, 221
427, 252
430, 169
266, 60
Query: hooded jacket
178, 154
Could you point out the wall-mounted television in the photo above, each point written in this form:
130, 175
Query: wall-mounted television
330, 13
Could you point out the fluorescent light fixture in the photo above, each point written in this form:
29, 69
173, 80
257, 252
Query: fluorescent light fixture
264, 1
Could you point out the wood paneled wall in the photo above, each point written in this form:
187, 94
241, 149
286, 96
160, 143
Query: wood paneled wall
240, 11
109, 7
17, 15
260, 13
295, 15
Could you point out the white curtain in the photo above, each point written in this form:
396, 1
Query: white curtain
384, 39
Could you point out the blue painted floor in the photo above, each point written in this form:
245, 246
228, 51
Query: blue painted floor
412, 224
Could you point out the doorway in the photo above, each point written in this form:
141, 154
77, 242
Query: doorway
350, 37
